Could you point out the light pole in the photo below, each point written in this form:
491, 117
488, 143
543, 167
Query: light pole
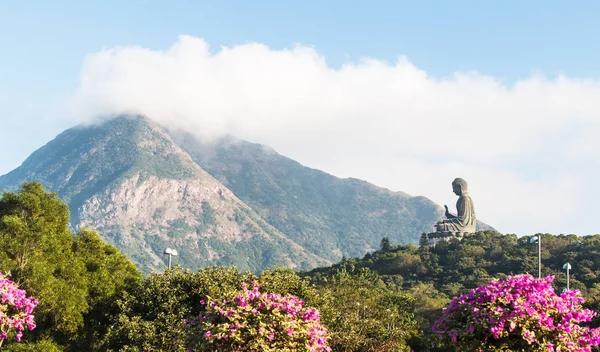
389, 321
567, 267
538, 239
170, 252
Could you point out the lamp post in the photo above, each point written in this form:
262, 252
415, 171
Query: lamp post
170, 252
389, 321
567, 267
538, 239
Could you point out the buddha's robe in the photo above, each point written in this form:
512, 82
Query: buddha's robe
465, 219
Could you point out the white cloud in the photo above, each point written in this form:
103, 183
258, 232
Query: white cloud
527, 149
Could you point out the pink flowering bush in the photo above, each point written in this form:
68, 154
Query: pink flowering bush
256, 321
520, 313
15, 309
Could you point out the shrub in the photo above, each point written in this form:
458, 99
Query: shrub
520, 313
256, 321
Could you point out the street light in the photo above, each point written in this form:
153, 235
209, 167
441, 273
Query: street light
388, 324
170, 252
567, 267
538, 239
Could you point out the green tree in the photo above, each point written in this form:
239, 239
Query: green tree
76, 279
44, 345
427, 308
362, 313
151, 316
385, 244
109, 275
286, 281
423, 241
37, 248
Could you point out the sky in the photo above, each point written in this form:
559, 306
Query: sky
406, 95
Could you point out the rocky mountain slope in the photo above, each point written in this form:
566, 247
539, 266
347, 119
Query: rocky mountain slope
128, 180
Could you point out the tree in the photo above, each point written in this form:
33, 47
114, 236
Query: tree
109, 275
385, 244
362, 313
36, 246
77, 279
43, 345
151, 316
424, 247
285, 281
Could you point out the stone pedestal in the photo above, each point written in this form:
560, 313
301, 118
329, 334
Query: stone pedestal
446, 235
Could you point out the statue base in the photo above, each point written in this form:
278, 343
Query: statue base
446, 235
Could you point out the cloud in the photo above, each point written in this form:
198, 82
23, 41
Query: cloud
528, 148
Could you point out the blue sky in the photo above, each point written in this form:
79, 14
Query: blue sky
43, 45
44, 42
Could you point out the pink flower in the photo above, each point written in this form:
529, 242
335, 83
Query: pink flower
519, 308
224, 322
20, 308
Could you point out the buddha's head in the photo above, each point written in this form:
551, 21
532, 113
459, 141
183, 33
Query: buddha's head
459, 186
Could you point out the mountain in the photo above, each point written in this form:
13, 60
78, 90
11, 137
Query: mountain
127, 179
327, 215
218, 202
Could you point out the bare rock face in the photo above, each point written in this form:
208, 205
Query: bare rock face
152, 206
191, 215
156, 202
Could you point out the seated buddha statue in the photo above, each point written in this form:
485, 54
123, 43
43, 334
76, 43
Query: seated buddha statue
465, 219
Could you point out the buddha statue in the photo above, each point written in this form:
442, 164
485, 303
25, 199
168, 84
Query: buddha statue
464, 221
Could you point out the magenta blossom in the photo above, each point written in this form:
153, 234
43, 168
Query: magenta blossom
256, 321
520, 313
15, 309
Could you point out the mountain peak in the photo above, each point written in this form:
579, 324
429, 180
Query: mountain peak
126, 178
87, 158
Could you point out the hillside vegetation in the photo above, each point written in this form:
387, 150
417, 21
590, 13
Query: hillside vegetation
435, 274
92, 298
457, 265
